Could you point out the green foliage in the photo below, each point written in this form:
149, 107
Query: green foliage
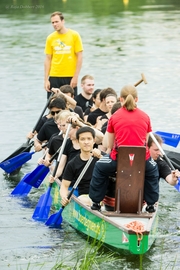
89, 256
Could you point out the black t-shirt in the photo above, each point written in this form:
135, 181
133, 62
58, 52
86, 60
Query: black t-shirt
83, 102
163, 167
41, 123
48, 129
73, 170
94, 115
70, 151
54, 144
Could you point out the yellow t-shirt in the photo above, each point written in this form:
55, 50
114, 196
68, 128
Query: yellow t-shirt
63, 48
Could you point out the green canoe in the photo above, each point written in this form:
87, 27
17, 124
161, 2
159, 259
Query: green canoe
107, 226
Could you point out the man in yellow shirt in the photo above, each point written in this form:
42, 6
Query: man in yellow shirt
64, 51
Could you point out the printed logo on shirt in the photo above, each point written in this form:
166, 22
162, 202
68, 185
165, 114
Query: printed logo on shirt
153, 162
61, 48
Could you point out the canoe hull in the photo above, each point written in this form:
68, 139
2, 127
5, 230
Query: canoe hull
96, 225
109, 230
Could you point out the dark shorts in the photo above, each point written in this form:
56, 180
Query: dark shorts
57, 82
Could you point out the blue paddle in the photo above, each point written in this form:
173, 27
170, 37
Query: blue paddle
26, 147
22, 189
177, 187
36, 177
16, 162
43, 206
171, 139
56, 219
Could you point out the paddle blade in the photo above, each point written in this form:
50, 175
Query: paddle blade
169, 138
25, 147
55, 220
14, 163
178, 185
22, 189
36, 177
42, 209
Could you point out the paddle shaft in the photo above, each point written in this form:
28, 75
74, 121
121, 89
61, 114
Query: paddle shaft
162, 151
56, 219
62, 149
140, 81
47, 103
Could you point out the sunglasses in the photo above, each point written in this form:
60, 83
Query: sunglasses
53, 113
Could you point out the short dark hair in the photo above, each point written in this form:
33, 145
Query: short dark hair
105, 92
57, 95
67, 89
58, 103
59, 14
83, 130
95, 93
150, 140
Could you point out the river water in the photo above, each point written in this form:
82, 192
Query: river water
122, 39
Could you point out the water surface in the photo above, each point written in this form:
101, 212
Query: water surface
120, 42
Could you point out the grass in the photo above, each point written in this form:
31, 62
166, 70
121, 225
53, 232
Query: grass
88, 257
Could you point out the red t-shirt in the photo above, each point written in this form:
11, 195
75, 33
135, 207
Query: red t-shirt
129, 128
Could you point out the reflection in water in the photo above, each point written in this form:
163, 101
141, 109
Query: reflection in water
120, 42
20, 8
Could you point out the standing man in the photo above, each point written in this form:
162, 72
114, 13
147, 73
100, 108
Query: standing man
64, 53
84, 99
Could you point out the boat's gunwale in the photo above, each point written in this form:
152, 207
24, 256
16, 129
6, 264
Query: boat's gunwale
106, 218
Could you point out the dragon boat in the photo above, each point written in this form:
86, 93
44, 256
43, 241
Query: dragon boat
122, 222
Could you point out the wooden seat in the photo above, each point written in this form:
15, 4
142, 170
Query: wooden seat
130, 179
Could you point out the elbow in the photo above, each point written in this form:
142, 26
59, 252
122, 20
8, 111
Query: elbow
99, 139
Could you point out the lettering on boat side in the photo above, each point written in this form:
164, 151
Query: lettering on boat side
131, 158
95, 227
56, 196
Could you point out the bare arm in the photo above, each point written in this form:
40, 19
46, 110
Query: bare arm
74, 80
47, 66
37, 145
60, 169
46, 160
105, 142
111, 139
61, 166
71, 103
98, 134
64, 192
